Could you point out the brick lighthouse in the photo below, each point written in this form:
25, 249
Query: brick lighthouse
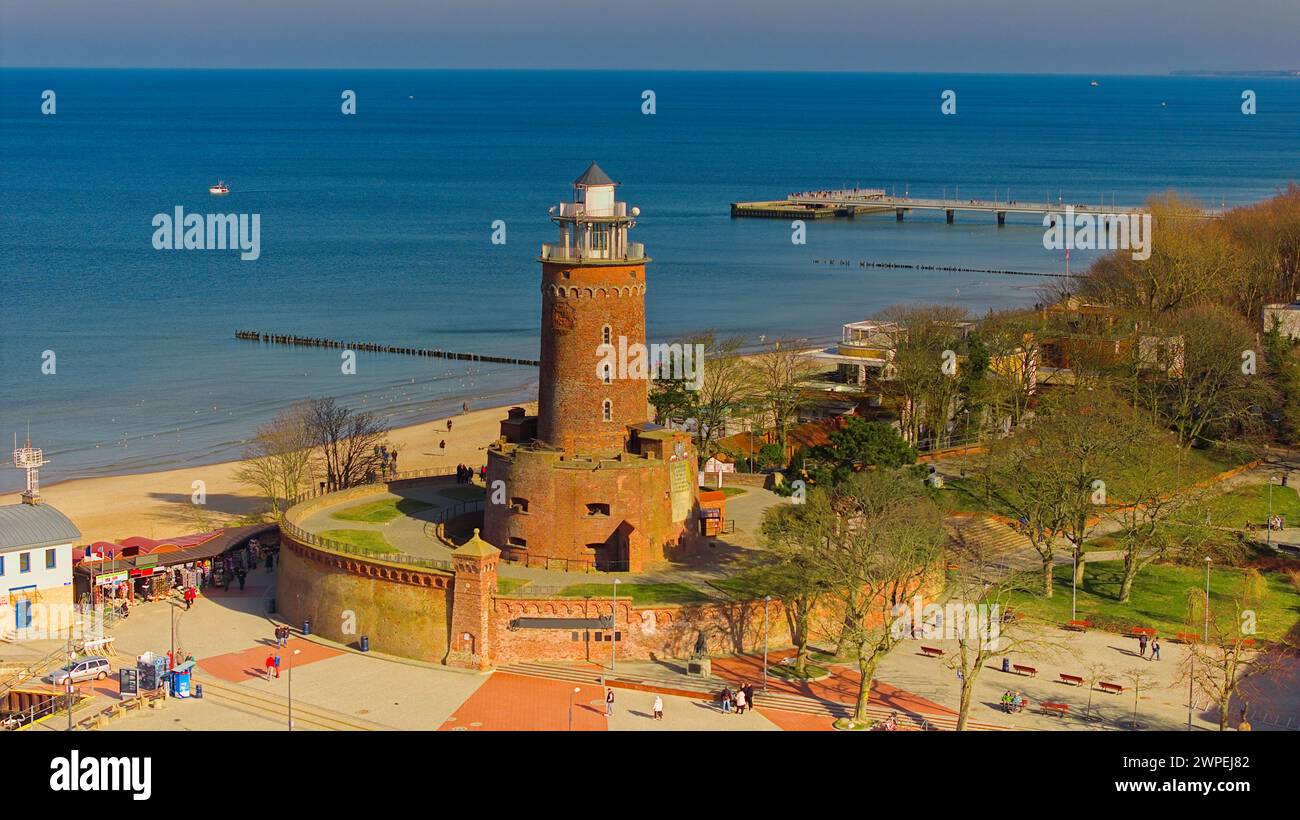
590, 481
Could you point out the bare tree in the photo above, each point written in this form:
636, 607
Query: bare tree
346, 441
777, 376
278, 459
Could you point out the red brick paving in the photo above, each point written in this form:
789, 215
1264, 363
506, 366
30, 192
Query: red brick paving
240, 666
841, 687
516, 703
797, 721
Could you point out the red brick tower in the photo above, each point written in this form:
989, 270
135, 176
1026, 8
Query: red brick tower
593, 293
590, 482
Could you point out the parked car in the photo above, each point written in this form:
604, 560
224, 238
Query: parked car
84, 669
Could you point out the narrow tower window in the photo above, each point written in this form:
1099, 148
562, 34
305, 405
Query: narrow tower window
607, 410
606, 335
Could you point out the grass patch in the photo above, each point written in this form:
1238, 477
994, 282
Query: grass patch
382, 511
732, 491
364, 540
505, 586
463, 492
810, 672
1159, 600
639, 593
1250, 504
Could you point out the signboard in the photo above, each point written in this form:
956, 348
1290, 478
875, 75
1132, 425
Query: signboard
128, 681
111, 577
679, 486
710, 512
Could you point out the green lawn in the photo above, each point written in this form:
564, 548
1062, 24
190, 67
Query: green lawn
463, 492
731, 491
382, 511
365, 540
1160, 595
1250, 504
639, 593
505, 586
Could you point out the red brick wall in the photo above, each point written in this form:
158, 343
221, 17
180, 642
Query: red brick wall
577, 302
558, 492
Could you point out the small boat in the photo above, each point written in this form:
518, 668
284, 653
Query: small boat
220, 189
1094, 83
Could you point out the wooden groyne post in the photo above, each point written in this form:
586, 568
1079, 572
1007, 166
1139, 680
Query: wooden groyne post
373, 347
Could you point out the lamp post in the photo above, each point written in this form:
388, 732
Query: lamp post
767, 600
575, 691
291, 656
1207, 599
613, 635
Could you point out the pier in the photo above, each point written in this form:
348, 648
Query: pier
372, 347
851, 202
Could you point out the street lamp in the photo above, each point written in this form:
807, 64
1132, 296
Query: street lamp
613, 635
295, 652
767, 600
1207, 599
1074, 585
575, 691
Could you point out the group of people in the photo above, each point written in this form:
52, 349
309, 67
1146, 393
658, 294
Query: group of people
282, 634
1155, 647
737, 700
1013, 702
465, 473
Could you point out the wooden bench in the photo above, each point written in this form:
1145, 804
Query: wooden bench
932, 652
1139, 631
1247, 643
1058, 709
1113, 688
1186, 637
1078, 626
1024, 670
1073, 680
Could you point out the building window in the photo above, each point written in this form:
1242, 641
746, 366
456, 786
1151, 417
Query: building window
606, 335
50, 559
519, 504
573, 636
607, 374
514, 541
607, 410
600, 636
2, 565
25, 562
598, 509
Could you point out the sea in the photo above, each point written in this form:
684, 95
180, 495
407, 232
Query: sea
116, 357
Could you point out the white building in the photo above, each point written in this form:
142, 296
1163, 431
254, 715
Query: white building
35, 569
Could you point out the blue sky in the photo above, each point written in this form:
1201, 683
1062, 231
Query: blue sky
1019, 36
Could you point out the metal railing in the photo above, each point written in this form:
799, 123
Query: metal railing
555, 564
57, 703
331, 545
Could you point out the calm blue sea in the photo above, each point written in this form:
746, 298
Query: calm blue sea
377, 226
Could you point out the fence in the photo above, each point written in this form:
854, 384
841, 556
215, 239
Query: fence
583, 565
331, 545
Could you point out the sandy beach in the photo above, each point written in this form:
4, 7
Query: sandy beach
157, 505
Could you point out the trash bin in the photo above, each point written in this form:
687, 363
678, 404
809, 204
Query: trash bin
365, 643
306, 627
1006, 664
198, 690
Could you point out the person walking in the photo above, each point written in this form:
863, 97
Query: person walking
658, 708
270, 666
609, 693
741, 701
442, 445
1142, 645
277, 664
1155, 649
241, 575
448, 425
749, 694
726, 700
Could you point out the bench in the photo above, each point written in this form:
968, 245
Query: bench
1024, 670
932, 652
1073, 680
1058, 709
1247, 643
1113, 688
1139, 631
1186, 637
1078, 626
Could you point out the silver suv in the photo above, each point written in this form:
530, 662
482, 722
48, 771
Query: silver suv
84, 669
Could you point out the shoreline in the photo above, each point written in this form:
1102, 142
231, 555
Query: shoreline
158, 504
